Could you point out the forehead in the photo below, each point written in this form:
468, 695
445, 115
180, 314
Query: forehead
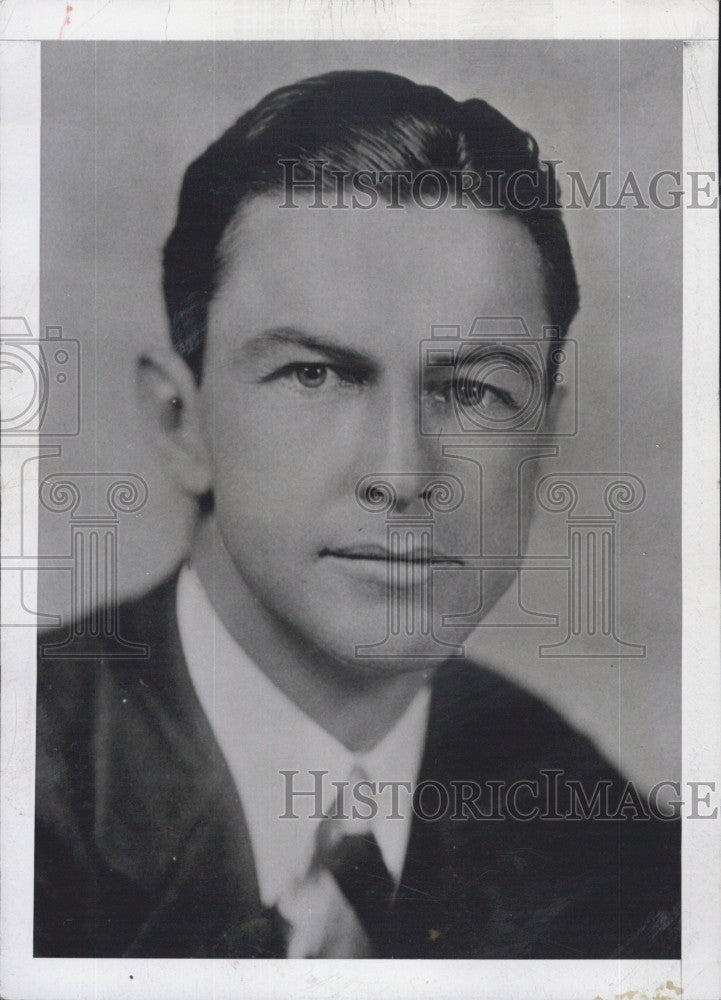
344, 270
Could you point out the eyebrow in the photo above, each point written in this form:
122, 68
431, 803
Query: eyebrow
284, 335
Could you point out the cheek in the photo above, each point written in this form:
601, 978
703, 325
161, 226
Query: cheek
507, 498
268, 470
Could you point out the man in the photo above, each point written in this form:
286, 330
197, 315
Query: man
224, 796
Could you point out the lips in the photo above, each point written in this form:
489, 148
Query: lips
379, 553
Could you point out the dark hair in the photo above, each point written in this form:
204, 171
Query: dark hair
355, 121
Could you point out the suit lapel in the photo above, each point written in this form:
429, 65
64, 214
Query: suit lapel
428, 916
461, 873
167, 814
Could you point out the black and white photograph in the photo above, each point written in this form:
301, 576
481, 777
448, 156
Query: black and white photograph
360, 531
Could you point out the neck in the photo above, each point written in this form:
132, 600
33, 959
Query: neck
357, 707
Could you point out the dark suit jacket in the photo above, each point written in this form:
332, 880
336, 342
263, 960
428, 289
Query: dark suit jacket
142, 849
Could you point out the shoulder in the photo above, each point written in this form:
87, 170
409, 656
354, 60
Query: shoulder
108, 645
554, 836
108, 631
476, 711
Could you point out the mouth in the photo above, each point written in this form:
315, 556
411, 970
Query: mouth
381, 554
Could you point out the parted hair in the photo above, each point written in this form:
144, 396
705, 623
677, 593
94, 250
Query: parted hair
355, 121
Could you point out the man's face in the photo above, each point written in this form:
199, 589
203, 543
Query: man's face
313, 381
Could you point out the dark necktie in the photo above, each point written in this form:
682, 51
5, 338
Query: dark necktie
356, 863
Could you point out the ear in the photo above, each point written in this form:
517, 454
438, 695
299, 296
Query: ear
552, 409
168, 399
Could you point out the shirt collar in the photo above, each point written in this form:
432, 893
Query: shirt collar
262, 734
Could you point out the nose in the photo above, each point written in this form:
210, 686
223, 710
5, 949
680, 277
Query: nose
395, 493
401, 461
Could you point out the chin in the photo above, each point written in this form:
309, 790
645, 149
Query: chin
359, 628
373, 653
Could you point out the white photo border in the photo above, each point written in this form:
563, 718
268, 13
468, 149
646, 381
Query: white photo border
698, 973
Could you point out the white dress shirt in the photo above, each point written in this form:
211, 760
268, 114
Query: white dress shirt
262, 733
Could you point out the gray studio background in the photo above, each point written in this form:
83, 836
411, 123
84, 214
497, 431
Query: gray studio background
120, 123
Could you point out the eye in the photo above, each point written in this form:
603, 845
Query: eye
470, 393
311, 376
303, 376
475, 393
